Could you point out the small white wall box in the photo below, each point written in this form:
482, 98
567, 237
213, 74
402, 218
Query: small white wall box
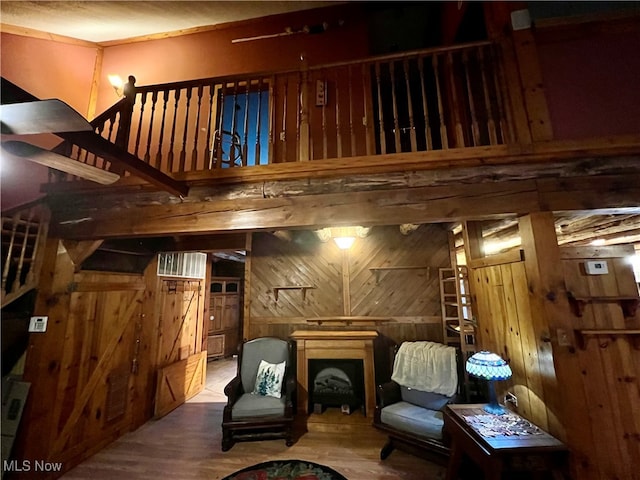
596, 267
38, 324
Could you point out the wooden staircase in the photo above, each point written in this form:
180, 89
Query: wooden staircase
24, 231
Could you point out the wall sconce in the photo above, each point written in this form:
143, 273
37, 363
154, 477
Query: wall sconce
123, 89
343, 236
118, 84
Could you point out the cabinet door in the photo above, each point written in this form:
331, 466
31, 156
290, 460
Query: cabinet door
215, 345
216, 313
231, 313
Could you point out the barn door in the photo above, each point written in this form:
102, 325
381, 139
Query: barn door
94, 395
182, 363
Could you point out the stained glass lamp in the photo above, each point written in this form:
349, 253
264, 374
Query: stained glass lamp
490, 367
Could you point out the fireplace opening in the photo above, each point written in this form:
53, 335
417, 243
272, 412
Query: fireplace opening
336, 383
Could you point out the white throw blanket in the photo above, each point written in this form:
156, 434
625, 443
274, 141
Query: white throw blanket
426, 366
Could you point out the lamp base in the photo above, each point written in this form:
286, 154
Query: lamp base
493, 406
494, 409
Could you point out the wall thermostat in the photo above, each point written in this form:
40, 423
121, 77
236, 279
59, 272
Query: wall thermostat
596, 267
38, 324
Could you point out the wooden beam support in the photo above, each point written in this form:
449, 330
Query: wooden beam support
550, 311
384, 207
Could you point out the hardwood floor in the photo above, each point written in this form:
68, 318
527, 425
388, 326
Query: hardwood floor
185, 445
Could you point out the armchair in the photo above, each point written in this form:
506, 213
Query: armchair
413, 418
255, 412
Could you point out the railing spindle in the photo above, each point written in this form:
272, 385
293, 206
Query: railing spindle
383, 140
367, 118
217, 148
143, 102
491, 126
258, 122
283, 132
159, 159
34, 253
425, 108
25, 241
208, 144
338, 124
272, 118
298, 112
475, 130
394, 104
196, 136
9, 251
173, 131
185, 131
443, 127
154, 101
506, 125
246, 125
412, 132
324, 125
454, 102
351, 130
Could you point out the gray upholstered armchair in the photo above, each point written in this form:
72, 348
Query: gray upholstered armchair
258, 406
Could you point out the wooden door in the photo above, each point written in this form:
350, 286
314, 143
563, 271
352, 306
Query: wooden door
95, 392
182, 363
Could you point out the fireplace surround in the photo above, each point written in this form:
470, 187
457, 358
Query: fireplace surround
335, 344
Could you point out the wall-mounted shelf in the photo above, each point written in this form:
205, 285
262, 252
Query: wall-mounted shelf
629, 304
348, 320
377, 270
583, 335
303, 288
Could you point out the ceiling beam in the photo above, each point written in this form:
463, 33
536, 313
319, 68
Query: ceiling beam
368, 208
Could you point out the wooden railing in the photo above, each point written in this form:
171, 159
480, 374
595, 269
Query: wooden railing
418, 101
24, 231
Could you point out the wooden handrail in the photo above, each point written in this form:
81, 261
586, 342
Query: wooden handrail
414, 101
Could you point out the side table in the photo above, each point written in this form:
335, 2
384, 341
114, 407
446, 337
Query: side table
501, 443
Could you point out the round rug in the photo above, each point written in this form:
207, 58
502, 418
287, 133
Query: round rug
286, 470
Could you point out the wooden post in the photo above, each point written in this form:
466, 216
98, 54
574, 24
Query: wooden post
124, 126
303, 146
549, 308
45, 353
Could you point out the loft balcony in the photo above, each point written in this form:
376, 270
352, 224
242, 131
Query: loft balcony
434, 108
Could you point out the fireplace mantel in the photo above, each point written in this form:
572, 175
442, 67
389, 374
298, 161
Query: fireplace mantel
338, 344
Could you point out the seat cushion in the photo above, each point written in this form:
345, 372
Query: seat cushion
413, 419
251, 405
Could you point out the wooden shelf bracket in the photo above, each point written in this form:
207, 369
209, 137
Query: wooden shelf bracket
378, 270
303, 288
629, 304
583, 335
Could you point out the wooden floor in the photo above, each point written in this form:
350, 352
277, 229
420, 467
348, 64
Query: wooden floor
185, 445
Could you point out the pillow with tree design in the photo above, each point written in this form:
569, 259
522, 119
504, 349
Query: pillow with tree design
269, 379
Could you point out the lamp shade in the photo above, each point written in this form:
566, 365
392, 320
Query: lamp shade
488, 366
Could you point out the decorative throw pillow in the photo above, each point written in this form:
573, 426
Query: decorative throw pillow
269, 379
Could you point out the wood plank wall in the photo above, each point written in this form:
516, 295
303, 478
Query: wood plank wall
344, 284
604, 428
598, 385
97, 363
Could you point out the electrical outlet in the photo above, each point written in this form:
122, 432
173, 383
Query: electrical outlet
511, 398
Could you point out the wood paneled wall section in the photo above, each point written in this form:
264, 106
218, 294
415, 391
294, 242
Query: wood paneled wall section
589, 398
604, 394
504, 316
408, 298
93, 372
